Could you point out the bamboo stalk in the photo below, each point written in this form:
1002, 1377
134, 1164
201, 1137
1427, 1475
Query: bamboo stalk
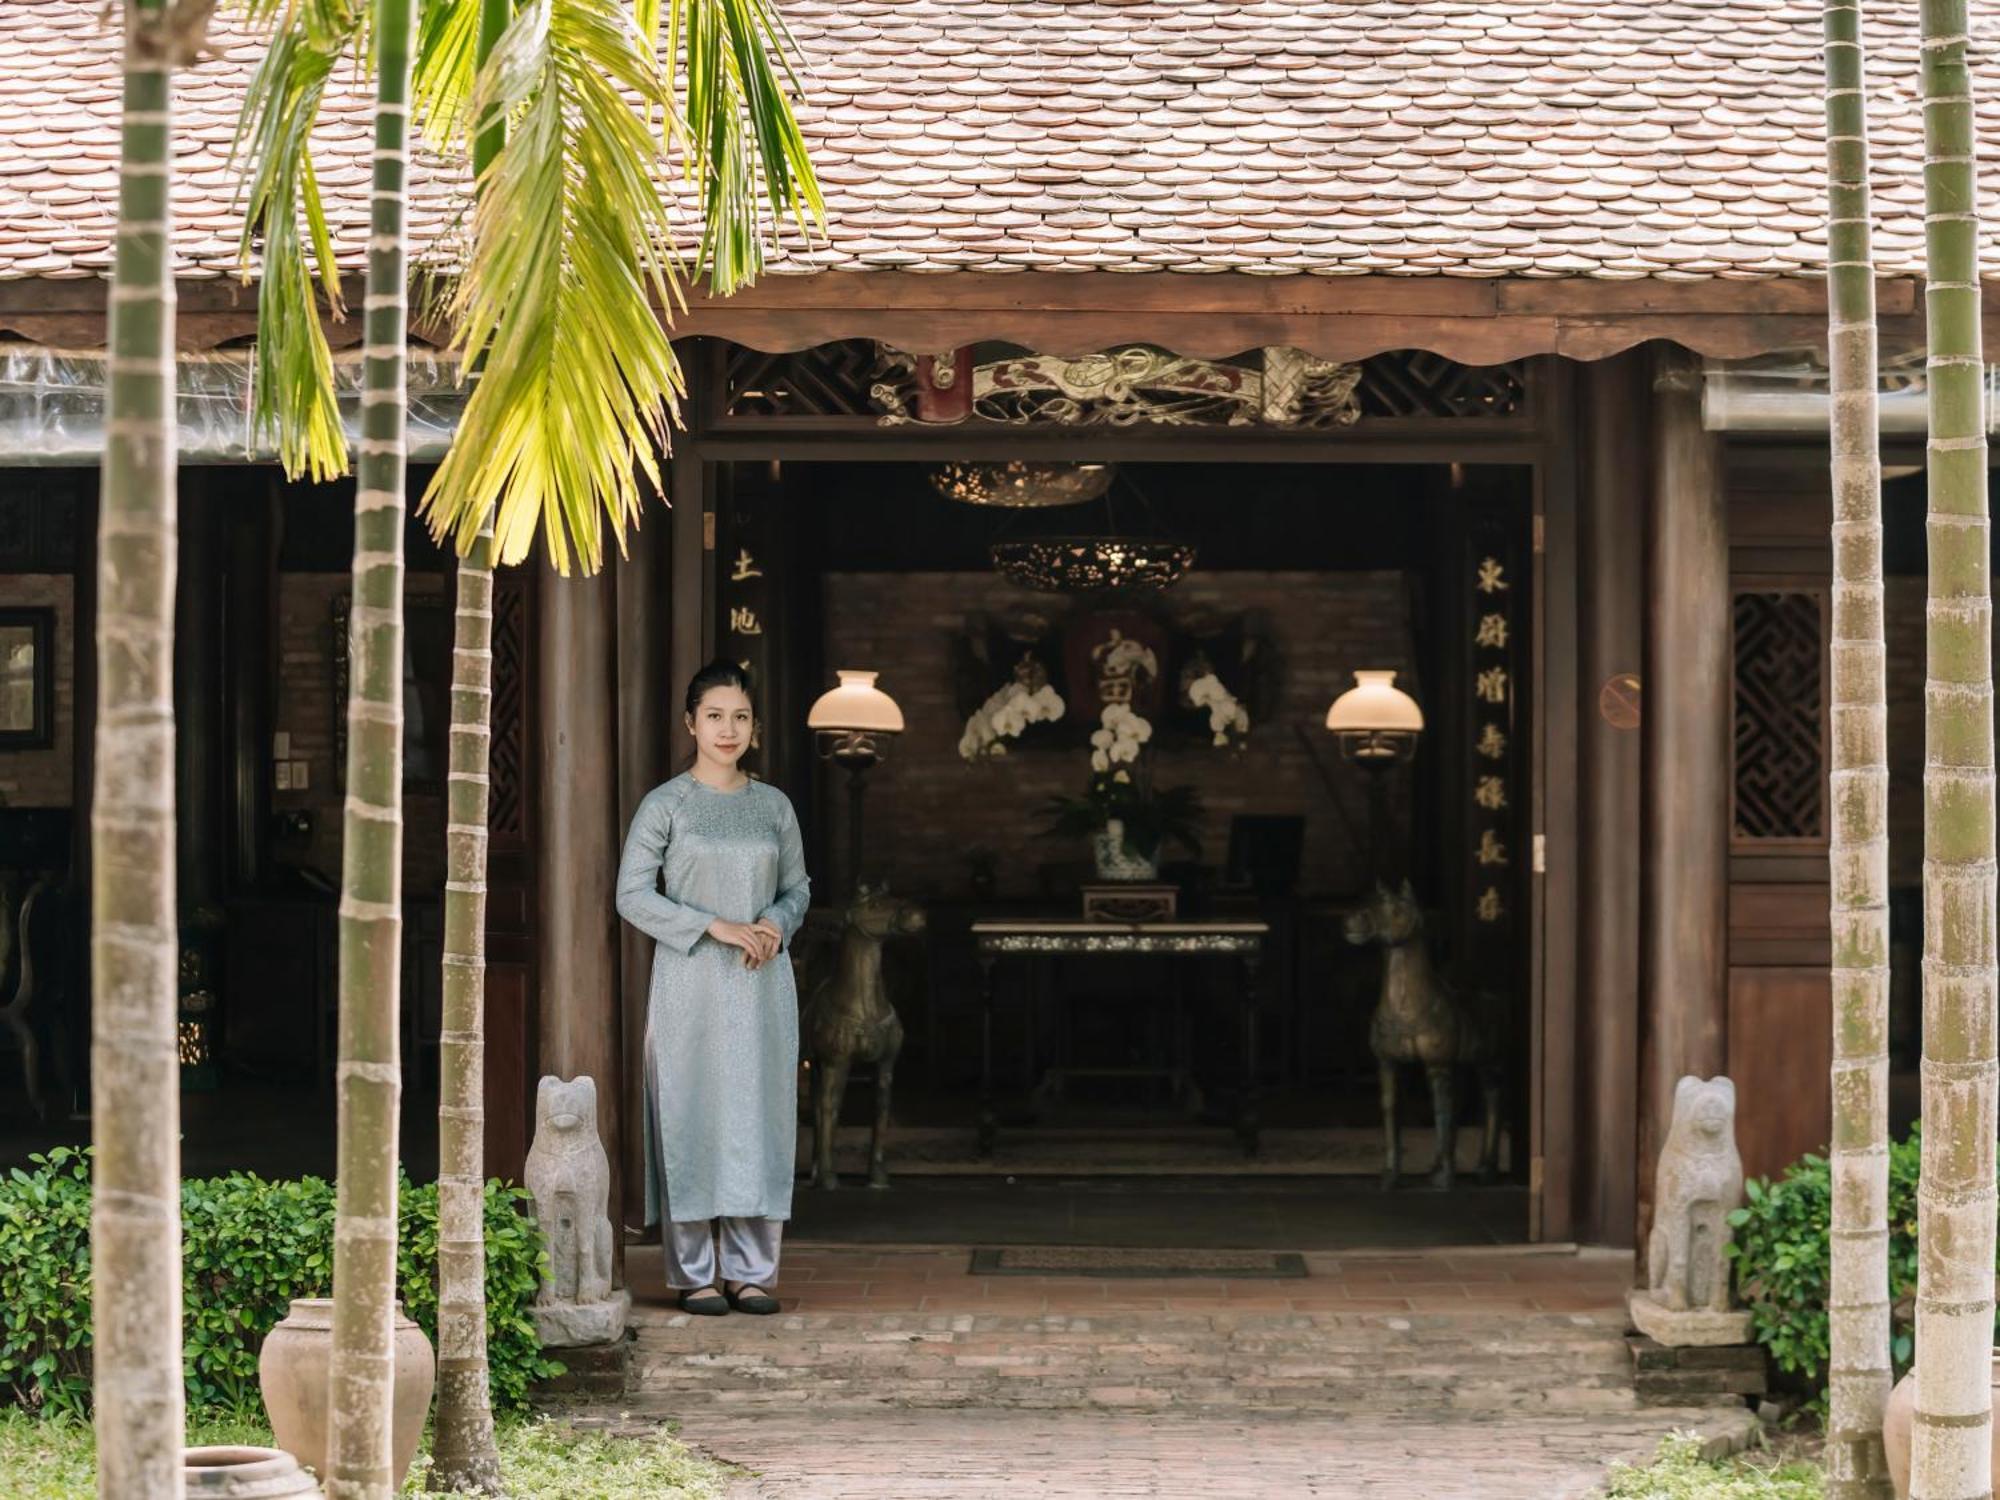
1858, 846
1951, 1459
135, 1067
370, 1072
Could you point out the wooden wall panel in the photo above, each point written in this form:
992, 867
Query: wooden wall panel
1781, 1051
1780, 999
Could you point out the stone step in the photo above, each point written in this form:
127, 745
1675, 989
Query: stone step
1382, 1397
1279, 1361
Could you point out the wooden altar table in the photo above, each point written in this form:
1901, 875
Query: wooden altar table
1070, 938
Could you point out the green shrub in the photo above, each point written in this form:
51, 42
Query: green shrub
248, 1247
1782, 1260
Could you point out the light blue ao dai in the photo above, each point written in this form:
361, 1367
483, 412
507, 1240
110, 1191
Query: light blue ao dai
722, 1041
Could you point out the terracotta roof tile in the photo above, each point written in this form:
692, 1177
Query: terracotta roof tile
1612, 138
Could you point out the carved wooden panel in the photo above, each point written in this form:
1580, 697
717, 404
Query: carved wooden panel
1780, 715
840, 380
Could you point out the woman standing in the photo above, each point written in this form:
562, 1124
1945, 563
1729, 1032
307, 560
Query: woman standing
714, 872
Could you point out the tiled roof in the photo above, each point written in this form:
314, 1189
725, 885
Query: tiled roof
1602, 138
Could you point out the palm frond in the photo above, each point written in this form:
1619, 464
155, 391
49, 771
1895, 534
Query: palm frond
558, 306
741, 132
445, 66
293, 398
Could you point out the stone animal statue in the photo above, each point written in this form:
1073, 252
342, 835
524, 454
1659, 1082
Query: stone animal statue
1698, 1184
1418, 1019
848, 1019
569, 1177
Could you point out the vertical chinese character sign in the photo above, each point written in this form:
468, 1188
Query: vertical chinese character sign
744, 590
1493, 858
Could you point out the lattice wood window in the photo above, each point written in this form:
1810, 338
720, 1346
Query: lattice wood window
1411, 383
1780, 781
506, 814
827, 380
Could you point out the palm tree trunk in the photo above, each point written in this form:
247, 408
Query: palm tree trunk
465, 1455
1858, 850
135, 1221
1955, 1196
370, 1072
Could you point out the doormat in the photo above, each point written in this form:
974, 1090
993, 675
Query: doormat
1229, 1265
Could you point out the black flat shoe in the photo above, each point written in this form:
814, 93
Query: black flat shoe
750, 1299
705, 1302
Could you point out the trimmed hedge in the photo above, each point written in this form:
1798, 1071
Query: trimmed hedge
248, 1247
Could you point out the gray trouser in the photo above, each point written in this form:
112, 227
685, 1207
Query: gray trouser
749, 1252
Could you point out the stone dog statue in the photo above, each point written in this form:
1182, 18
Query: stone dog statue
848, 1019
1699, 1183
569, 1177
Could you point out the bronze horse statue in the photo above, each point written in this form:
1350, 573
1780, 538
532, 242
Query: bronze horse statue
1419, 1019
848, 1019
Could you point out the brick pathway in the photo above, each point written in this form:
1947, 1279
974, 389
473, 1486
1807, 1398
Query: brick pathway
843, 1454
896, 1375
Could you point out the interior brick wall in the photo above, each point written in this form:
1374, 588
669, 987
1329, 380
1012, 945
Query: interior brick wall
926, 807
305, 709
45, 778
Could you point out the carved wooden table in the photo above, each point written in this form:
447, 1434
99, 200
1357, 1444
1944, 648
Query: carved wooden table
1068, 938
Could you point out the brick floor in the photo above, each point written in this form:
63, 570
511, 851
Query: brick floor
986, 1455
897, 1375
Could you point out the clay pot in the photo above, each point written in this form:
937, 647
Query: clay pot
292, 1372
230, 1473
1900, 1415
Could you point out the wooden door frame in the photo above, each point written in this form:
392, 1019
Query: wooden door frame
1544, 444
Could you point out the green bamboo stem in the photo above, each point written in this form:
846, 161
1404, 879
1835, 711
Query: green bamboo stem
370, 1072
135, 1068
1951, 1459
1858, 846
466, 1457
465, 1453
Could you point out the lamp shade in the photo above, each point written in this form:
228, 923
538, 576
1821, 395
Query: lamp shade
857, 704
1375, 705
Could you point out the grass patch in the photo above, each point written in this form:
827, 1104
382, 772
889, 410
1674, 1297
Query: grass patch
540, 1459
1679, 1472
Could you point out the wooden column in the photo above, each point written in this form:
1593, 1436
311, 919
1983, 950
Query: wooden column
644, 706
512, 1030
691, 491
1552, 705
250, 647
576, 847
198, 758
1685, 837
83, 755
1610, 646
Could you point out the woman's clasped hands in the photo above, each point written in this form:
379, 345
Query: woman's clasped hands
759, 940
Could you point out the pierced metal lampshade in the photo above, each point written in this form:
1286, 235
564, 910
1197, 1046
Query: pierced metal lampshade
1088, 564
1022, 485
